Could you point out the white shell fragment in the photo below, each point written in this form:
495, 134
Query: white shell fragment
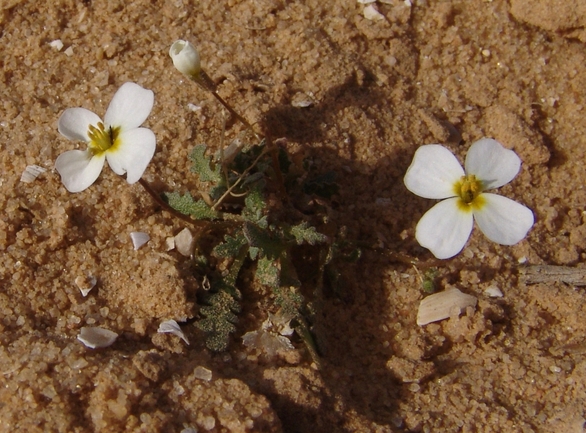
370, 13
365, 2
95, 337
443, 305
139, 239
184, 242
172, 327
85, 284
31, 172
493, 292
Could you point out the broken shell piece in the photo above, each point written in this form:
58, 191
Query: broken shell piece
85, 284
370, 13
172, 327
95, 337
139, 239
184, 242
440, 306
31, 172
493, 292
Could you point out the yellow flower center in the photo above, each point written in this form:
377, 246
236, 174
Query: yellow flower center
102, 139
468, 188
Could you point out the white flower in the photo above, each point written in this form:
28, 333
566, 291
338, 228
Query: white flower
436, 173
117, 139
186, 59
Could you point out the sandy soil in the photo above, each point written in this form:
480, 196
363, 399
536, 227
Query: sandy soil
431, 71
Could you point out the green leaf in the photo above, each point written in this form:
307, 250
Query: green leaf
188, 206
202, 165
231, 246
304, 234
255, 205
262, 239
268, 272
219, 319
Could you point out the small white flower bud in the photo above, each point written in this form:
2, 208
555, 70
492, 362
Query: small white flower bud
185, 58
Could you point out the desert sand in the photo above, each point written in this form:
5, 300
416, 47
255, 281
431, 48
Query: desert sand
354, 95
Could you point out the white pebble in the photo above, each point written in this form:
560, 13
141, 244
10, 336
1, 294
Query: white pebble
493, 292
69, 52
202, 373
56, 44
31, 172
370, 13
95, 337
184, 242
139, 239
442, 305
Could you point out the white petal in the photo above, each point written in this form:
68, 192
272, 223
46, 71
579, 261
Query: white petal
79, 169
185, 58
492, 163
133, 154
433, 172
130, 107
444, 229
503, 220
74, 123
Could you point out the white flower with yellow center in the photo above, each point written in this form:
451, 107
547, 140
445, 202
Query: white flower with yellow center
436, 173
118, 139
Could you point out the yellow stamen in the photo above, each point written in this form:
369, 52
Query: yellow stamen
102, 139
468, 188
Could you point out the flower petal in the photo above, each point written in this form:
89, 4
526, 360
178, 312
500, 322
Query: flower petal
79, 169
444, 229
134, 153
492, 163
74, 123
433, 172
130, 106
503, 220
185, 58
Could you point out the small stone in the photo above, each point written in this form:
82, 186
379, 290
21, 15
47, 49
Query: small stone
202, 373
139, 239
184, 242
95, 337
493, 292
370, 13
57, 44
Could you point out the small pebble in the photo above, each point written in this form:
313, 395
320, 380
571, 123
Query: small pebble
139, 239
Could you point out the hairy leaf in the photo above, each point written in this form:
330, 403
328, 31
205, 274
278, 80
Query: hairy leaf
202, 165
305, 234
188, 206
